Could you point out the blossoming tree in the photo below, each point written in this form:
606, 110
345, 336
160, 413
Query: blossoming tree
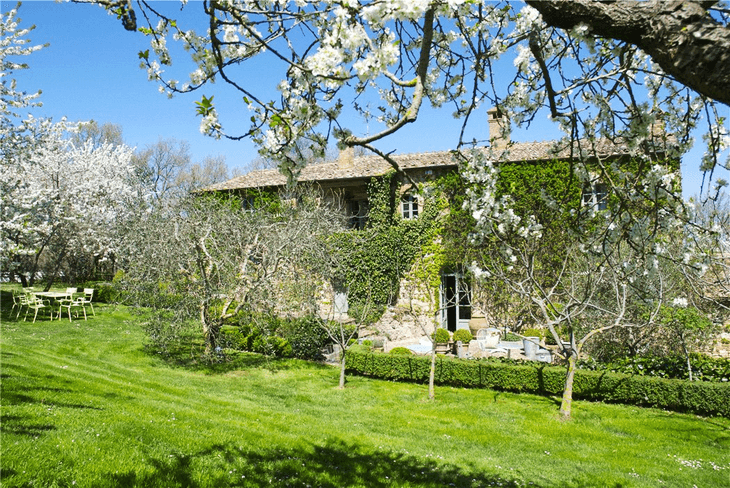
62, 203
597, 69
60, 200
620, 266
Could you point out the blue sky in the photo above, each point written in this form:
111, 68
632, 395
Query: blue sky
91, 71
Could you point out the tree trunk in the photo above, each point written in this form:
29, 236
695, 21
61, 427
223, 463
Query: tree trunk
341, 386
211, 338
432, 373
52, 277
689, 362
211, 329
566, 406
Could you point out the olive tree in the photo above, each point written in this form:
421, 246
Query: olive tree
206, 259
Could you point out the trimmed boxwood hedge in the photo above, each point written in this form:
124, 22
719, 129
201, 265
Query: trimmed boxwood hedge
539, 378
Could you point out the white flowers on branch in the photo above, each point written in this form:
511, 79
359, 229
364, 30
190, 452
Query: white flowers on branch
340, 62
59, 200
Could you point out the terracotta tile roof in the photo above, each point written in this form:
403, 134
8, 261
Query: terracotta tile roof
373, 165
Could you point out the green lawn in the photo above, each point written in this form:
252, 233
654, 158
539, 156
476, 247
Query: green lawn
84, 404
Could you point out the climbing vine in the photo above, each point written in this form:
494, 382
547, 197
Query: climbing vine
375, 259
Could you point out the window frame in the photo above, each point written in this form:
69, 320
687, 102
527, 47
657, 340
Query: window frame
409, 207
595, 195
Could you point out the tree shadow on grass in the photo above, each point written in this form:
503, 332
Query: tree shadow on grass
18, 390
336, 464
18, 425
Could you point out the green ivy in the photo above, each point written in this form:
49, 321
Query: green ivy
378, 257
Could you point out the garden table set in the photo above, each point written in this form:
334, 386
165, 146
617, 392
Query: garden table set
41, 301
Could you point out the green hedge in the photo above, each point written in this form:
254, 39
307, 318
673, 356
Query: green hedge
539, 378
704, 367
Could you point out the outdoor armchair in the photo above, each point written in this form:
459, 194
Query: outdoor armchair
19, 301
88, 297
37, 304
62, 301
78, 301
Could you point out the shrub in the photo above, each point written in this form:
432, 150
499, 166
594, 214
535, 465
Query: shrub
103, 292
532, 332
463, 335
401, 350
678, 395
562, 332
358, 348
232, 338
251, 338
441, 335
367, 343
306, 336
704, 367
510, 337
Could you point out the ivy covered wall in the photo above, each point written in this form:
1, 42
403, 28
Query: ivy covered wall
375, 259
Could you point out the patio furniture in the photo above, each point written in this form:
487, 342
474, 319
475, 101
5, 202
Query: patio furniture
36, 303
54, 297
17, 302
88, 297
25, 298
488, 338
66, 298
78, 301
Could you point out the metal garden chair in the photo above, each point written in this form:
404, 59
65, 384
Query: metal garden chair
88, 297
35, 303
78, 301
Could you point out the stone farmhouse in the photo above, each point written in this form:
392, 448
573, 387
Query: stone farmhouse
347, 180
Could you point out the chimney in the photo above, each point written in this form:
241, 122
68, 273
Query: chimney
346, 158
497, 124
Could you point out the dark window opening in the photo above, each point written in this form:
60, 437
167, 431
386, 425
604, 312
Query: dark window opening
357, 211
596, 196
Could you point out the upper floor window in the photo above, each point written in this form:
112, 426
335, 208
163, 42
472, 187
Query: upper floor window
248, 203
409, 205
596, 195
357, 213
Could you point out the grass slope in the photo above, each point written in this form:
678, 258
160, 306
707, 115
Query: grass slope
84, 404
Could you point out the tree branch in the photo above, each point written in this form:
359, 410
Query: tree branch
680, 36
411, 112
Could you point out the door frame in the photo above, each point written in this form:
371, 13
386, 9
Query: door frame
454, 300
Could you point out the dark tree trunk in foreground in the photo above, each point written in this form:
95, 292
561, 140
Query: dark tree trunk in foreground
679, 35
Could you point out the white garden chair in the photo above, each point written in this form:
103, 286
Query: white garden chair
19, 301
70, 291
37, 304
488, 338
78, 301
88, 297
